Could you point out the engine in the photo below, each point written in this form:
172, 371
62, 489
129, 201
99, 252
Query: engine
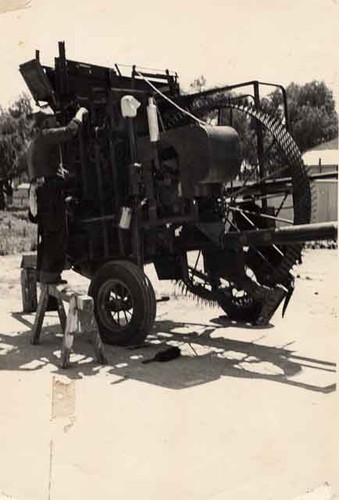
189, 162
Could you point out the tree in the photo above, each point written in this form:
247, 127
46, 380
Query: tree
198, 84
312, 118
15, 127
312, 115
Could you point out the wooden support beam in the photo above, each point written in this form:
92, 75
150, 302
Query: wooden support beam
28, 290
70, 330
40, 314
61, 314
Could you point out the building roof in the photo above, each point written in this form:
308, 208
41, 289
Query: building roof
321, 157
326, 153
333, 144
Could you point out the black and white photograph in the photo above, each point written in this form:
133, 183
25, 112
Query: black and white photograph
168, 250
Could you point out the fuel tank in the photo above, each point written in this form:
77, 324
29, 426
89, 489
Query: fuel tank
205, 154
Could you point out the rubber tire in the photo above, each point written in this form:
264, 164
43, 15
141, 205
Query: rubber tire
144, 308
151, 294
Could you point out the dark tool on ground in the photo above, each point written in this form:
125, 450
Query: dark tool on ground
172, 352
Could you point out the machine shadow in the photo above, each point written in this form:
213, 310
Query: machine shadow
206, 357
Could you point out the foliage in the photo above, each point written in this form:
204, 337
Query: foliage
312, 115
15, 127
17, 234
198, 84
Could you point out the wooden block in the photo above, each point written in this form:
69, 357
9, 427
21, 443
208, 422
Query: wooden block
29, 260
85, 303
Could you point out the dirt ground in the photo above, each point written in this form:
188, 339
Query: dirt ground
244, 413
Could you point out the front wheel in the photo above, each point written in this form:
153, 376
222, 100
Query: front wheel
124, 303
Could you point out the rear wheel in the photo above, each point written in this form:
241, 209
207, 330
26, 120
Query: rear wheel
124, 303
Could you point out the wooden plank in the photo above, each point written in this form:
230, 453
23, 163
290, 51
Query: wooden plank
70, 330
89, 324
66, 293
85, 303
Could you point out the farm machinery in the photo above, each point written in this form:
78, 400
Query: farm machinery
157, 176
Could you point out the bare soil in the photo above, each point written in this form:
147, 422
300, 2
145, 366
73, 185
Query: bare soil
244, 413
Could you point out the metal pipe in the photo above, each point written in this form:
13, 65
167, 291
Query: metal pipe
260, 143
284, 235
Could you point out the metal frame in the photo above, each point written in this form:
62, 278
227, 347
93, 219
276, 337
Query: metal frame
65, 96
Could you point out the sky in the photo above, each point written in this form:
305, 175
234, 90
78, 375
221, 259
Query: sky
227, 41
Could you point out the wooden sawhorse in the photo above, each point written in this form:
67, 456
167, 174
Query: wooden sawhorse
80, 318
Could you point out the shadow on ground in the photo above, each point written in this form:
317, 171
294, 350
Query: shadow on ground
207, 355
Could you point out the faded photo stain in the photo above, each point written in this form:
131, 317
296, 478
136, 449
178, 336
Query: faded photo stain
63, 399
10, 5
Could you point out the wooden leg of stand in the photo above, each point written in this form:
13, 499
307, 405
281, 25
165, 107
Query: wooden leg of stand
40, 314
71, 328
89, 324
62, 314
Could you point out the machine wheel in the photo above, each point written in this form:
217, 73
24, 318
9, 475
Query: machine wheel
273, 191
124, 303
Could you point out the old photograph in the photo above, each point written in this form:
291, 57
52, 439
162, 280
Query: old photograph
168, 250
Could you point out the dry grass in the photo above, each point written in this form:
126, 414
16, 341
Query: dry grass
17, 234
322, 245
